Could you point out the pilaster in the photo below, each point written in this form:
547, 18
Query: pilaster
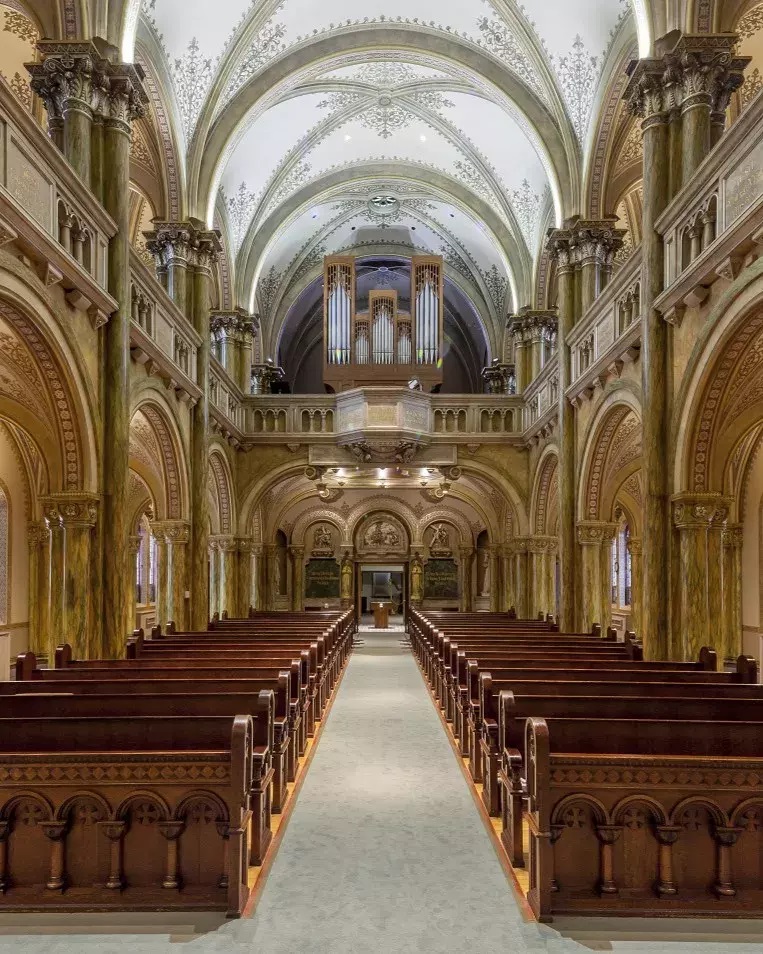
732, 539
637, 582
297, 554
247, 590
227, 547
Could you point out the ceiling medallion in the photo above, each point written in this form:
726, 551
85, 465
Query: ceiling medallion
384, 204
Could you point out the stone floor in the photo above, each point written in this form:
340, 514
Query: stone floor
385, 853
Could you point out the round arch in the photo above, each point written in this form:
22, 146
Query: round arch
541, 494
172, 495
223, 478
598, 462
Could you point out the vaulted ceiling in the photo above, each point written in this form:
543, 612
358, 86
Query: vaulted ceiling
474, 121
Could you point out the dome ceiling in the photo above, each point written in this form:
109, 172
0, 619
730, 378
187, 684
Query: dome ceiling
472, 119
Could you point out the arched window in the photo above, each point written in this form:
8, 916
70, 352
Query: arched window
3, 557
620, 573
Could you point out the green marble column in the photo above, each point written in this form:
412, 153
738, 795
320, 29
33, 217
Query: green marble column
65, 78
297, 555
467, 554
270, 555
608, 535
246, 575
595, 537
732, 590
561, 247
171, 244
636, 551
693, 516
521, 370
541, 550
126, 101
260, 577
647, 98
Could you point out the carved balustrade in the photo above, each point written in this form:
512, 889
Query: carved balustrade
714, 226
609, 333
46, 210
161, 337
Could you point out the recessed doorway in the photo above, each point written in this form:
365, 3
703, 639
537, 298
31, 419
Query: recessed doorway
381, 582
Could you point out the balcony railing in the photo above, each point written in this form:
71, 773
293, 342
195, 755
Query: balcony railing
49, 212
541, 400
609, 334
441, 417
161, 337
713, 224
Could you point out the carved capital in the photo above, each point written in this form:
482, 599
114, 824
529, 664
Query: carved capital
247, 545
125, 99
699, 511
224, 544
38, 535
171, 830
64, 78
733, 535
71, 509
595, 532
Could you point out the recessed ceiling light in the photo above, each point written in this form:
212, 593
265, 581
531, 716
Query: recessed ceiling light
423, 138
347, 137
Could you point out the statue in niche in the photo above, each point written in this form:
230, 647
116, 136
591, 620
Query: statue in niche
277, 575
440, 538
484, 571
417, 580
381, 536
347, 574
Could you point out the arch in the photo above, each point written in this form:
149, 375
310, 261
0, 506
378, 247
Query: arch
45, 806
5, 552
600, 813
446, 515
383, 503
169, 485
47, 350
142, 795
718, 815
65, 808
184, 806
656, 810
223, 479
541, 495
600, 464
724, 394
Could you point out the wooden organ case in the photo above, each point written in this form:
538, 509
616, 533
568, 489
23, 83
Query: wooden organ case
383, 345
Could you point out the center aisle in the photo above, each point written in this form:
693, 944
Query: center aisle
386, 850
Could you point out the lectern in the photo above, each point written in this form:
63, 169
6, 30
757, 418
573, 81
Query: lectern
381, 615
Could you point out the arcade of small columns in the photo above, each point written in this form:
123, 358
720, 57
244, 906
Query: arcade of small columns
687, 561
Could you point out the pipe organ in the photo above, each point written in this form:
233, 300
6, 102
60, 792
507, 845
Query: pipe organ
384, 344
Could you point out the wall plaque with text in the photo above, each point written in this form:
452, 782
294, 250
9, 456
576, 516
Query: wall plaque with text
440, 580
322, 579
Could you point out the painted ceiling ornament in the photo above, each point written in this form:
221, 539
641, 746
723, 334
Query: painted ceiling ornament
192, 77
527, 205
240, 207
267, 44
578, 75
502, 42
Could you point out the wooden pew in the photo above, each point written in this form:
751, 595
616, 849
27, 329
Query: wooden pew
693, 703
644, 817
129, 813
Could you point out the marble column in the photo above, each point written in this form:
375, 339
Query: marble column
270, 554
185, 254
495, 578
64, 80
732, 590
679, 80
126, 101
709, 73
521, 577
213, 572
55, 593
694, 517
636, 551
649, 98
177, 534
541, 597
297, 555
509, 585
38, 537
133, 549
595, 537
560, 246
521, 347
228, 601
246, 576
259, 576
162, 574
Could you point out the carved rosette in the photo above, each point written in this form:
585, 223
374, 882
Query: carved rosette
699, 511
